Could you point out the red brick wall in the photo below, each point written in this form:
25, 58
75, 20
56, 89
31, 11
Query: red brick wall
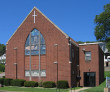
52, 35
34, 64
93, 65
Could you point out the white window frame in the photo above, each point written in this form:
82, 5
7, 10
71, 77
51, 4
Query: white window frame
87, 55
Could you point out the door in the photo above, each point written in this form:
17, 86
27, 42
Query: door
89, 79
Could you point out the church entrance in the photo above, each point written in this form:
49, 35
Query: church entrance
89, 79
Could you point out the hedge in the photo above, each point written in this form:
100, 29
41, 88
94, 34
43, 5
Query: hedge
17, 82
7, 81
49, 84
62, 84
30, 84
2, 81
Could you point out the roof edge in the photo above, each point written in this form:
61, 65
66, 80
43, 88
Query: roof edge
20, 25
91, 43
45, 17
52, 23
73, 42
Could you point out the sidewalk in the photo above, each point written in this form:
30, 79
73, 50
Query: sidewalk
81, 89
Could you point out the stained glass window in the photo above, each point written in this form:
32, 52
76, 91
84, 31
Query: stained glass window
37, 40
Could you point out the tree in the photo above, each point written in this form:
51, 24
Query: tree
2, 49
102, 29
2, 68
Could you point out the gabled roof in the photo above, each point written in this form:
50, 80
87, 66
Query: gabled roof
45, 17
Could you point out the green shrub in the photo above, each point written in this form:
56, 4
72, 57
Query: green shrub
2, 81
17, 82
36, 84
62, 84
7, 81
40, 84
30, 84
49, 84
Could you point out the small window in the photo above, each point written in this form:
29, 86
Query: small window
87, 55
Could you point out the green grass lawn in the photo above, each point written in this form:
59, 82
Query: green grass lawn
99, 88
24, 89
29, 89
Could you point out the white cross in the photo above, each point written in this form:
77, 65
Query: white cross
34, 16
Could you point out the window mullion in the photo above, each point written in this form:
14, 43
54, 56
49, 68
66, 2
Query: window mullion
39, 58
30, 56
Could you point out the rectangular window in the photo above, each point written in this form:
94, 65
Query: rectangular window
87, 55
35, 73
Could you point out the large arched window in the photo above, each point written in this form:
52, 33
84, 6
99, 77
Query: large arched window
34, 40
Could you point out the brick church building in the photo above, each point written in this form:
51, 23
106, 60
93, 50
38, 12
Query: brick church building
39, 50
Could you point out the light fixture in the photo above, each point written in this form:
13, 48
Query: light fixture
70, 62
83, 49
55, 62
55, 44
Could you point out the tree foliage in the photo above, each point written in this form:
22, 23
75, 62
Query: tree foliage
2, 49
2, 68
102, 29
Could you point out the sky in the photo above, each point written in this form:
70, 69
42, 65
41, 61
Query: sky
74, 17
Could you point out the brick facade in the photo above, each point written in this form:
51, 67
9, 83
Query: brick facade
52, 35
96, 64
68, 65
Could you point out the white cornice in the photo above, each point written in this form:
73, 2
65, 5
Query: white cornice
92, 43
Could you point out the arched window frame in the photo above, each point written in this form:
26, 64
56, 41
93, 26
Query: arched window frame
34, 43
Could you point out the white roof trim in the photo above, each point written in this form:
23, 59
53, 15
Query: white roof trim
45, 17
92, 43
74, 43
